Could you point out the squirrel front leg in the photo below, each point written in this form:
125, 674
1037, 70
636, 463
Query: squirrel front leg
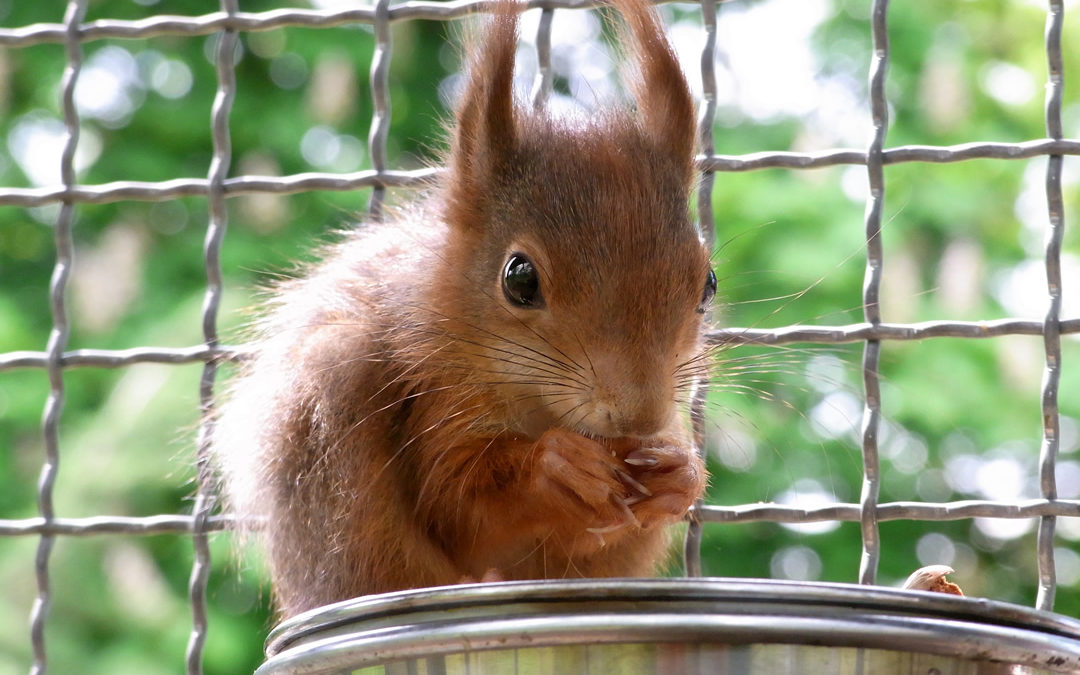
649, 482
530, 508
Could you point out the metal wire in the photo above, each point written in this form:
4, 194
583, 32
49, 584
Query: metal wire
206, 24
58, 337
544, 78
707, 226
1051, 326
117, 191
215, 235
80, 527
925, 511
217, 187
879, 113
380, 95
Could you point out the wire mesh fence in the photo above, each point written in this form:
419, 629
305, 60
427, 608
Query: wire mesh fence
220, 184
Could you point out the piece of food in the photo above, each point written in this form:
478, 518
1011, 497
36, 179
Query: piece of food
932, 578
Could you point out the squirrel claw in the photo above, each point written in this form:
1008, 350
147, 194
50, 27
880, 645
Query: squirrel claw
632, 482
628, 519
607, 529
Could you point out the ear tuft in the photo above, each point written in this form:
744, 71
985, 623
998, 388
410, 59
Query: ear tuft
660, 89
485, 132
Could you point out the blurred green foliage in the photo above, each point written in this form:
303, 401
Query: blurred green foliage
789, 251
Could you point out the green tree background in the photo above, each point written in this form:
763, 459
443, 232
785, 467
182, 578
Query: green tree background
962, 241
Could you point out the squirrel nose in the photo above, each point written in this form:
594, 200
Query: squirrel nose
642, 415
631, 399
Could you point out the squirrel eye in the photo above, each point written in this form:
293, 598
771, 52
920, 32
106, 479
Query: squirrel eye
708, 292
521, 283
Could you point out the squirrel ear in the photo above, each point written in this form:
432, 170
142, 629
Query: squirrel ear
484, 135
660, 89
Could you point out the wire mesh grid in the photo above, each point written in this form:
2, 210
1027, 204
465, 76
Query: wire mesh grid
217, 186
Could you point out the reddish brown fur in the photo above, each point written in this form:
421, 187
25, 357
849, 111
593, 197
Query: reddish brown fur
403, 425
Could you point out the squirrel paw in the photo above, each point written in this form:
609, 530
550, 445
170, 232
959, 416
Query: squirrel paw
585, 483
667, 481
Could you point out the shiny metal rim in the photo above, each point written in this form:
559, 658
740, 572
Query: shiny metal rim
432, 622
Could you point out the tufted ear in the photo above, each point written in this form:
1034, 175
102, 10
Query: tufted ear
485, 132
659, 87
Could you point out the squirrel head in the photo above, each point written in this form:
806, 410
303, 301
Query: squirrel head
580, 281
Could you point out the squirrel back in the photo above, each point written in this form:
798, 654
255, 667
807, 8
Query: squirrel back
489, 385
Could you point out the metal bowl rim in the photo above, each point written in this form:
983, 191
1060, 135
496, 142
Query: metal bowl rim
443, 636
786, 596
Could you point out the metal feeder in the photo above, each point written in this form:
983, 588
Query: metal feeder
673, 626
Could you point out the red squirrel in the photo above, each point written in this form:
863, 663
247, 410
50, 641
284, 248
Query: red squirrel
490, 385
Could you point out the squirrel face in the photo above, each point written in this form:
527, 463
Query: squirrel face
601, 269
585, 275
